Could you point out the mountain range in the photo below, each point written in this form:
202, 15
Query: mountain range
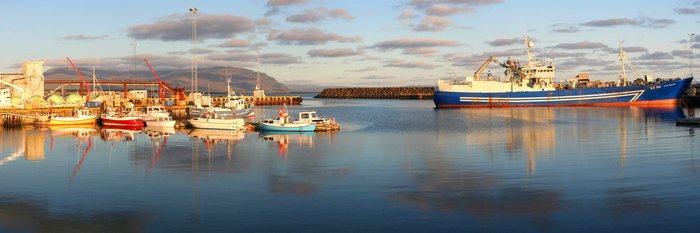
211, 79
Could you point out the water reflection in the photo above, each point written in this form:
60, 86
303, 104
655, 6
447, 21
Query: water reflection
534, 131
283, 139
119, 133
22, 214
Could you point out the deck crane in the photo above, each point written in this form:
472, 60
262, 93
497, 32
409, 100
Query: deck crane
87, 97
161, 86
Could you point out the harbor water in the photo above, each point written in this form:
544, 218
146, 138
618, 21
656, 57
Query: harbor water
395, 166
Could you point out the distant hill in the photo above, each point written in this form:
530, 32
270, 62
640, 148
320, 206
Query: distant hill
212, 79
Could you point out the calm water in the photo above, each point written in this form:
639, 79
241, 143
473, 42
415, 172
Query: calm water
397, 166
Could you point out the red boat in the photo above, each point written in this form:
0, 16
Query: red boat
122, 121
125, 116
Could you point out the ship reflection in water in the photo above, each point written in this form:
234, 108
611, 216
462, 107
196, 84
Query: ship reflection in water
402, 166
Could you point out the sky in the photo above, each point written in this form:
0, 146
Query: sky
353, 43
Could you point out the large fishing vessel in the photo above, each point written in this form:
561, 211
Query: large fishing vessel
532, 84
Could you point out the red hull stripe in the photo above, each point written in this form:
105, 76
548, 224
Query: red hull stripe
670, 103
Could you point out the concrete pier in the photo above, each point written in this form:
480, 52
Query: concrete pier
378, 93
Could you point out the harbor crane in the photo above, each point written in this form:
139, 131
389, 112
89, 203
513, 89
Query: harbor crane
161, 86
87, 97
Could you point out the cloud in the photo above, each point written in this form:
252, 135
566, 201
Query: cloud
311, 36
266, 58
84, 37
234, 43
344, 52
124, 63
567, 29
432, 23
435, 10
422, 4
277, 3
655, 56
274, 5
377, 77
634, 49
409, 64
425, 52
366, 69
504, 42
407, 43
641, 22
319, 14
686, 11
445, 10
179, 28
582, 45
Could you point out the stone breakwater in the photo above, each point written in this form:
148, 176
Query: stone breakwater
378, 93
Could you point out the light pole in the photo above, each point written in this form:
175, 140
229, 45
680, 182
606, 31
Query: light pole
133, 67
194, 11
690, 62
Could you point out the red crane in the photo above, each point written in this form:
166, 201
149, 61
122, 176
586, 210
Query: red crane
161, 88
87, 98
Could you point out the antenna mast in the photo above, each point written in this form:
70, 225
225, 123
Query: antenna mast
690, 62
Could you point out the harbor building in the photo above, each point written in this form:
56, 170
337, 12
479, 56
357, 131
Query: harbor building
28, 83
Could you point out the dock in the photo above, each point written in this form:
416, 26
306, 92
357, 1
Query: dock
692, 121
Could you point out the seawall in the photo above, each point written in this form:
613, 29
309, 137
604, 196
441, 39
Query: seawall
378, 93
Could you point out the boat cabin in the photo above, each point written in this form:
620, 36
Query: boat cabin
311, 117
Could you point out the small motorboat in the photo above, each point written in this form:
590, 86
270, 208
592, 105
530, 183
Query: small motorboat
213, 120
79, 117
122, 117
285, 123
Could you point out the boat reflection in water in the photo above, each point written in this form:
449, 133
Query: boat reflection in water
283, 139
445, 183
119, 133
536, 132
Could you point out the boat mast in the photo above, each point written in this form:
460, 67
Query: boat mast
623, 57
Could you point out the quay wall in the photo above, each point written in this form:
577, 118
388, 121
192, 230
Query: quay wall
378, 93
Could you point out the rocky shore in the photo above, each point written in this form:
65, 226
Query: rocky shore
378, 93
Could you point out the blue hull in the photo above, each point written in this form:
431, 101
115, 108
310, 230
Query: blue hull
664, 94
309, 128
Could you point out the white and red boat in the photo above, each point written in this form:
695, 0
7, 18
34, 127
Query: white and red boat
122, 117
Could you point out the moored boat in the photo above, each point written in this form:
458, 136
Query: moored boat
213, 120
122, 117
79, 117
533, 85
284, 122
161, 121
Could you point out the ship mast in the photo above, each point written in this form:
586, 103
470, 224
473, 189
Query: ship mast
623, 57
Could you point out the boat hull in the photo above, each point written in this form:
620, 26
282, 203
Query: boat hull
122, 121
664, 94
162, 124
227, 124
73, 121
288, 127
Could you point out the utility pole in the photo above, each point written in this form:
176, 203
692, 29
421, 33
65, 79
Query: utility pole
690, 60
133, 70
194, 11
